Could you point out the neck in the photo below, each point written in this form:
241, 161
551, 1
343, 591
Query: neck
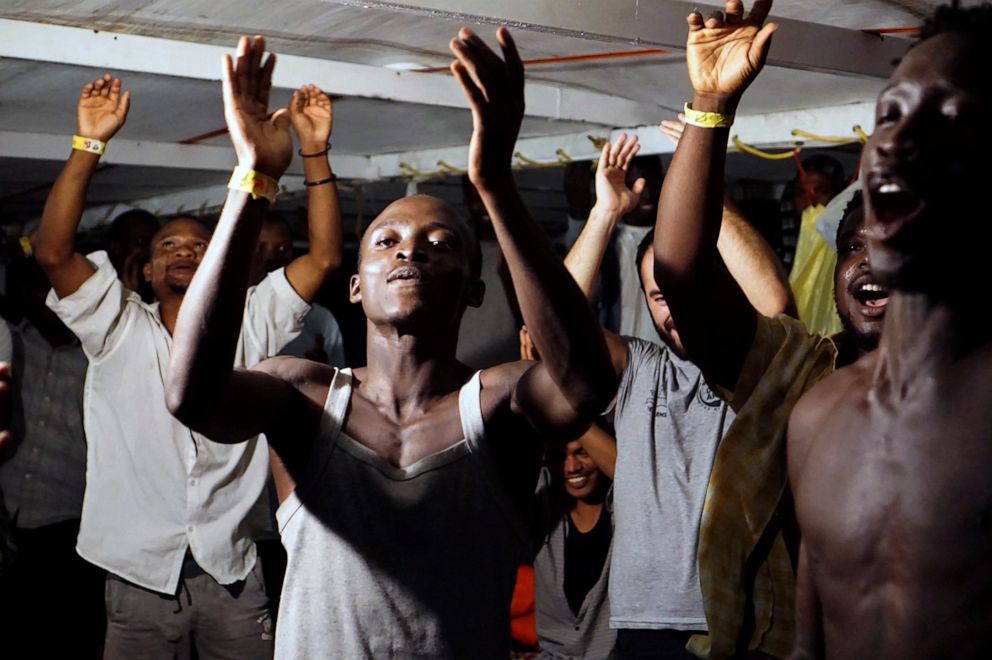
921, 334
585, 513
406, 372
168, 310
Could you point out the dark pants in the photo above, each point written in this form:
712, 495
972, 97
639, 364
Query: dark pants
51, 600
219, 621
636, 644
663, 645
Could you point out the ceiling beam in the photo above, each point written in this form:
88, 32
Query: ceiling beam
43, 146
661, 24
128, 52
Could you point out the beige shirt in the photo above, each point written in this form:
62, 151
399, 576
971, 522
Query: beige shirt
153, 486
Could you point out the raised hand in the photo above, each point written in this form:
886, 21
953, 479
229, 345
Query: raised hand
495, 91
673, 129
725, 52
612, 194
312, 114
263, 143
102, 108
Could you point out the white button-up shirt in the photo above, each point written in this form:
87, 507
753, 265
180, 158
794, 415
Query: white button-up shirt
153, 486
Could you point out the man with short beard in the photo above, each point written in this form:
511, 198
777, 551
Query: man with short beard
170, 514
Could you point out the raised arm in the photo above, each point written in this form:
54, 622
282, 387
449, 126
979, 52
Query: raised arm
312, 116
101, 112
575, 379
602, 448
613, 201
724, 53
750, 260
200, 389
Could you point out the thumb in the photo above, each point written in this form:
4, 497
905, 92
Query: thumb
638, 186
281, 118
761, 44
124, 105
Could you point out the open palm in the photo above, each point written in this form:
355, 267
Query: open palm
102, 108
612, 193
312, 114
726, 51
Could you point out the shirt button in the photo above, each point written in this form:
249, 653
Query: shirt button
192, 482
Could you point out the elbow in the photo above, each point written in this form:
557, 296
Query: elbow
183, 404
779, 302
50, 256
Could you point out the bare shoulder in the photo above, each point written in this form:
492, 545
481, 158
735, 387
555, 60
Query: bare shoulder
312, 379
814, 410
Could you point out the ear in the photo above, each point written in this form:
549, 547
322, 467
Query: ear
354, 289
146, 270
476, 293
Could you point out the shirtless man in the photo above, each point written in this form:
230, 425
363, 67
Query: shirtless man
890, 457
402, 483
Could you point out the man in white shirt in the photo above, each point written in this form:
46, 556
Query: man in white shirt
170, 514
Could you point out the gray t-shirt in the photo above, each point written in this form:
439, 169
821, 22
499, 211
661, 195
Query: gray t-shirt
668, 425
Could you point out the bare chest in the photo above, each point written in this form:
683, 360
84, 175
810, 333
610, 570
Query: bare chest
897, 489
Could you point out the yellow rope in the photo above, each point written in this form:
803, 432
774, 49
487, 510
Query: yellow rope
754, 151
449, 169
861, 134
823, 138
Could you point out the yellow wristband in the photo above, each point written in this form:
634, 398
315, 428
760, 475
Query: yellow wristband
707, 119
26, 246
91, 145
254, 183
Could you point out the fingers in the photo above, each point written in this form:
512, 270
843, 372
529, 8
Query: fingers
229, 81
695, 21
472, 59
124, 105
714, 20
242, 72
673, 129
638, 187
255, 52
629, 151
475, 97
281, 118
514, 64
733, 11
759, 11
265, 81
762, 42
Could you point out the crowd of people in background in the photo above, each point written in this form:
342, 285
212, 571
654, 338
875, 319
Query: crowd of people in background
681, 434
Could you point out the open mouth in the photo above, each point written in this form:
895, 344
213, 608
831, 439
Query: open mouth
577, 481
407, 274
872, 296
182, 267
893, 203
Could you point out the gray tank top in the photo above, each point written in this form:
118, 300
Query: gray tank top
387, 562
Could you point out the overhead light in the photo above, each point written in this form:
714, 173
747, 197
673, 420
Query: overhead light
405, 66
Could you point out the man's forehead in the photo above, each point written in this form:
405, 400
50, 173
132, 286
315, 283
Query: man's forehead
419, 211
182, 227
948, 57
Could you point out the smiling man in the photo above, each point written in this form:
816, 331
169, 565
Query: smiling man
165, 509
890, 457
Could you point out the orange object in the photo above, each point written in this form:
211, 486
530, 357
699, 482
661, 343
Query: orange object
570, 59
523, 621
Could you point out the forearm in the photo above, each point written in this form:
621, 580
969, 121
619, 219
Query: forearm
210, 319
558, 316
56, 235
690, 209
602, 448
308, 273
585, 258
754, 265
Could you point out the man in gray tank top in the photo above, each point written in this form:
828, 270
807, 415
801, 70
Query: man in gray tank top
402, 483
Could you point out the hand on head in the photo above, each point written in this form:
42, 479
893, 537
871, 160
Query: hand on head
263, 143
495, 91
612, 193
726, 51
102, 108
312, 115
